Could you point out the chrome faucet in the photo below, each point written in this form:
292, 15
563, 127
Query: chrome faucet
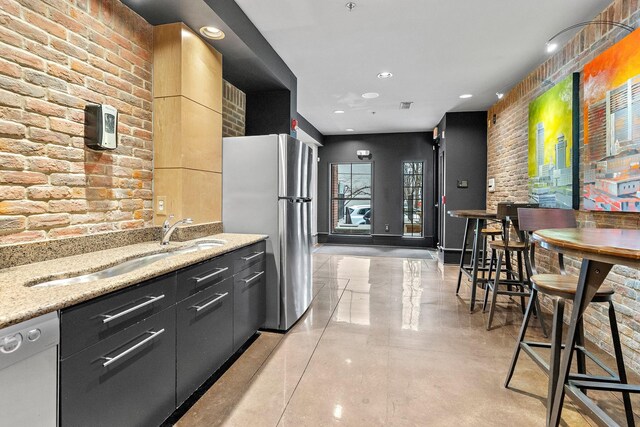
167, 229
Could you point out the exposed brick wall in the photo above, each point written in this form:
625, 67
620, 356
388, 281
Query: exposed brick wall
507, 163
234, 104
55, 57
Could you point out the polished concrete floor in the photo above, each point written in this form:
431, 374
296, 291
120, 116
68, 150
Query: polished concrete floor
386, 342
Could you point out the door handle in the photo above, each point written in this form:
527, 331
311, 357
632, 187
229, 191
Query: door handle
252, 278
114, 359
109, 317
209, 276
249, 258
213, 301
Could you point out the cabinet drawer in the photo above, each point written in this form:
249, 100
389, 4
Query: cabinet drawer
248, 303
248, 257
192, 280
137, 385
205, 336
88, 323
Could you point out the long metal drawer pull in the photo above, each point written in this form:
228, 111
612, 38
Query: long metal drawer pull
109, 317
114, 359
248, 258
252, 278
209, 276
213, 301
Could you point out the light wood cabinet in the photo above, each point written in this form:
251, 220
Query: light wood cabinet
199, 130
185, 65
189, 192
187, 90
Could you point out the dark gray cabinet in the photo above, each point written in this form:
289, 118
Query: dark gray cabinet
86, 324
132, 357
205, 336
193, 279
249, 307
249, 256
127, 379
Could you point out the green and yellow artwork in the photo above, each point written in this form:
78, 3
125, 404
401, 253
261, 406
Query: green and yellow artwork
551, 124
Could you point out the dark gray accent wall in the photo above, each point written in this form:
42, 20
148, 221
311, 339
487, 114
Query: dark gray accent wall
268, 112
388, 152
310, 129
465, 151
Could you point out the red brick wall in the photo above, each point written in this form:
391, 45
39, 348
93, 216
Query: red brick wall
507, 163
234, 106
55, 57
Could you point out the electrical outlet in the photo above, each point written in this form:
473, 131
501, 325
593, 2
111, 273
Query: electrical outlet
161, 205
386, 228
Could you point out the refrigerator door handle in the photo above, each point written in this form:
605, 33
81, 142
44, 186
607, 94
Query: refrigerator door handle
296, 199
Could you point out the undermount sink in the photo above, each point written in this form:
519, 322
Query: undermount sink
132, 264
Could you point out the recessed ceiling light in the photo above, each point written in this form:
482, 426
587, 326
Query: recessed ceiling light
465, 96
212, 33
385, 75
350, 130
551, 47
499, 95
338, 112
370, 95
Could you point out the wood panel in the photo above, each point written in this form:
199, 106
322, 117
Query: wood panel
201, 137
187, 124
167, 129
202, 195
167, 183
190, 194
167, 64
194, 141
201, 71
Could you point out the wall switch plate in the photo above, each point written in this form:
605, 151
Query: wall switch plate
161, 205
386, 227
463, 183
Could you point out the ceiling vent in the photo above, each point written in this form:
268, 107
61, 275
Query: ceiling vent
405, 105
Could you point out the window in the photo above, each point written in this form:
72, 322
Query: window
351, 211
412, 195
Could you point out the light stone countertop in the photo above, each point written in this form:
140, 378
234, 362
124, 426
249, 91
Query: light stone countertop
19, 301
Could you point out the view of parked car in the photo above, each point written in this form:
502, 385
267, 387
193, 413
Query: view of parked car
358, 214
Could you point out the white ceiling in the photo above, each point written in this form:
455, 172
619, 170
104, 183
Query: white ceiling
436, 49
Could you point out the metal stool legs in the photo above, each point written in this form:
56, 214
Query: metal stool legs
556, 336
464, 250
556, 346
622, 372
521, 334
521, 286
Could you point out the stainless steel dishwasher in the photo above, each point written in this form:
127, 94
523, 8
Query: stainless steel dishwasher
29, 372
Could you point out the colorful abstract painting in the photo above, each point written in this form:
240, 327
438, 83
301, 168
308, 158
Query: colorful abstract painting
612, 128
551, 153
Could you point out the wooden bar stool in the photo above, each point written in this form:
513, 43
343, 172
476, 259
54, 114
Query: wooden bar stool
562, 287
508, 213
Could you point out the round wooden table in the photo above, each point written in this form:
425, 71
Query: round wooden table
600, 249
480, 217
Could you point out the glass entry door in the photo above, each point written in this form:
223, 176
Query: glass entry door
351, 209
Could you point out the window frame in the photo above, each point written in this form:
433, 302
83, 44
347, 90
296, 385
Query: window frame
331, 199
402, 188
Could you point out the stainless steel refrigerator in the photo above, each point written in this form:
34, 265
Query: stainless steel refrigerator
266, 189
